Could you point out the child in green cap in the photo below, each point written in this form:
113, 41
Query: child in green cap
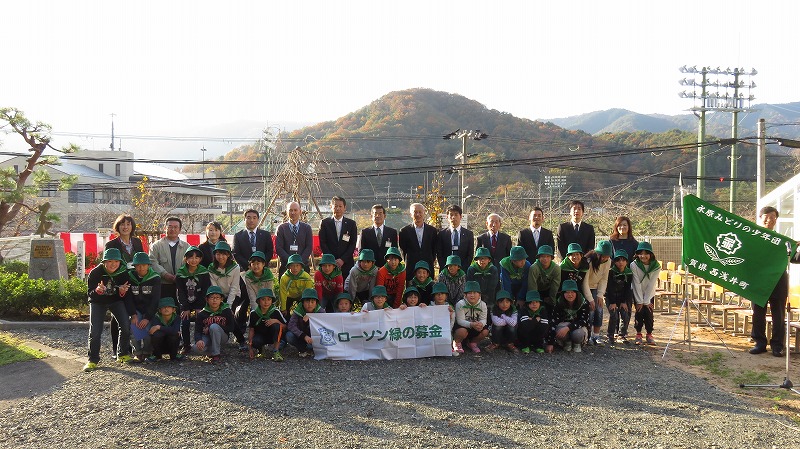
453, 277
514, 274
165, 333
108, 291
191, 283
299, 334
485, 273
328, 281
145, 293
471, 319
266, 325
362, 277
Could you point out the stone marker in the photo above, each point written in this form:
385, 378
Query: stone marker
48, 261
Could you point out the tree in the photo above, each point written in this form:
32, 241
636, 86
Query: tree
17, 190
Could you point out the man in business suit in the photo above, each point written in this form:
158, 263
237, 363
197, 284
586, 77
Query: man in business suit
531, 238
378, 237
575, 231
251, 239
455, 240
499, 243
417, 240
338, 234
293, 237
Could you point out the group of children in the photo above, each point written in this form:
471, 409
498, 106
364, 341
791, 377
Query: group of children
534, 307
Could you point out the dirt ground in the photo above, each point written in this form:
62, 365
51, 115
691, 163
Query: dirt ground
722, 359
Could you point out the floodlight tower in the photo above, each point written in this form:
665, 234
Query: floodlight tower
721, 100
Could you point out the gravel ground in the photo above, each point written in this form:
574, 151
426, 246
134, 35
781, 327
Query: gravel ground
486, 400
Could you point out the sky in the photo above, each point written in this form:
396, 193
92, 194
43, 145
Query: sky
184, 75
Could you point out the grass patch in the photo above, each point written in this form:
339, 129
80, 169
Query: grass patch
751, 377
712, 362
12, 350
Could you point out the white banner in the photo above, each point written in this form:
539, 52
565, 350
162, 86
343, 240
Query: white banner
382, 334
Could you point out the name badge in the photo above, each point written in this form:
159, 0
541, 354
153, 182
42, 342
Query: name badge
455, 247
388, 244
253, 248
294, 248
346, 238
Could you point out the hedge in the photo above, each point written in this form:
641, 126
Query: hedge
20, 295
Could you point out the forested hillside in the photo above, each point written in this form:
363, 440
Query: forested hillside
388, 148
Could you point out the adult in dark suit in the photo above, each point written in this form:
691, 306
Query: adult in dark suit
448, 244
417, 240
293, 237
338, 234
251, 239
575, 231
499, 243
369, 238
531, 238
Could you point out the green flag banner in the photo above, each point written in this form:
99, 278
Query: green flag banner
732, 252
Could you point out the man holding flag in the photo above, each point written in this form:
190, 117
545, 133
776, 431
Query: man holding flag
743, 257
768, 217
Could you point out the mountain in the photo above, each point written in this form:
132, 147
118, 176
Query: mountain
717, 123
385, 150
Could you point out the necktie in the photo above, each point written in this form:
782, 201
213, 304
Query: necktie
338, 228
455, 237
576, 228
494, 242
379, 234
294, 231
252, 238
536, 236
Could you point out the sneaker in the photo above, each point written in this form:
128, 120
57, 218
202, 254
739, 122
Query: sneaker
474, 347
600, 340
457, 347
624, 339
539, 351
89, 367
650, 340
610, 339
178, 357
576, 347
592, 340
243, 348
526, 350
638, 340
125, 359
277, 356
152, 359
512, 349
567, 346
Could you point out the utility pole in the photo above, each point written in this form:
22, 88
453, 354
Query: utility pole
204, 161
761, 160
112, 131
717, 101
464, 135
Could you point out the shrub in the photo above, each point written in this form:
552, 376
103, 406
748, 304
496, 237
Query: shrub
14, 266
20, 295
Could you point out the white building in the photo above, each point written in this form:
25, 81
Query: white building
106, 183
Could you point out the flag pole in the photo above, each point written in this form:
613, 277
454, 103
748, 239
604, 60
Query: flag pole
687, 332
787, 383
